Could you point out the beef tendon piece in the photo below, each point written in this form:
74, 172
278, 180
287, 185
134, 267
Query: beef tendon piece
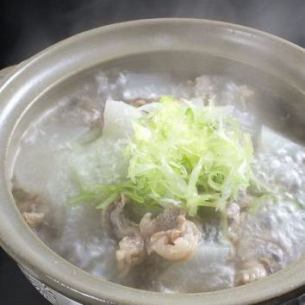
131, 247
116, 222
131, 252
164, 221
32, 207
138, 102
169, 235
33, 219
177, 244
251, 271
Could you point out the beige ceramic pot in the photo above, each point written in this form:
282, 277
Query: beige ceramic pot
185, 47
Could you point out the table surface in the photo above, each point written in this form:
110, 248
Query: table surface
29, 26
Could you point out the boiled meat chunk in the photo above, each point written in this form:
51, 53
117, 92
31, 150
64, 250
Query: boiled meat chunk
170, 235
131, 252
176, 244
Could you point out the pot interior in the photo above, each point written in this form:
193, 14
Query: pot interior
278, 103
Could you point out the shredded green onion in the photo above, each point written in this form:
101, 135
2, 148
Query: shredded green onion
184, 155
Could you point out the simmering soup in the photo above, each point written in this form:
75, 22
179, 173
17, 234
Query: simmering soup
163, 184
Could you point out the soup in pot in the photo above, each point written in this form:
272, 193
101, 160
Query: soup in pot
163, 184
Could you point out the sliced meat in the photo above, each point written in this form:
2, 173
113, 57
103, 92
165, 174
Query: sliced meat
131, 252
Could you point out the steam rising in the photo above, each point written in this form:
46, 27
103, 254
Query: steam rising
36, 25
